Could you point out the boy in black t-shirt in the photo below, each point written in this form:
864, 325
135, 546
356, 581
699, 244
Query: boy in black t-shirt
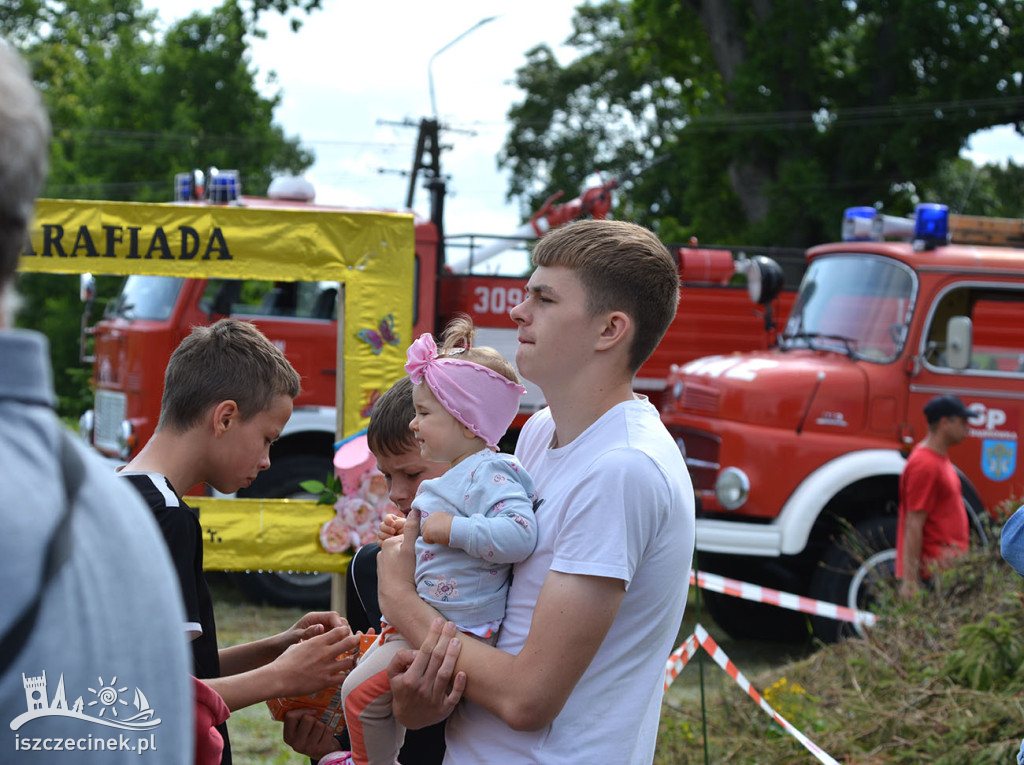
228, 393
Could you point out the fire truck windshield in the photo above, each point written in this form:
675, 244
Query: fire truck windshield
145, 297
858, 305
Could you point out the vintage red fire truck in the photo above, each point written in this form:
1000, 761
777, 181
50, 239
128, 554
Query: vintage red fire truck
795, 452
152, 314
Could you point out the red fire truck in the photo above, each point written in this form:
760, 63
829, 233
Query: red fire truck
796, 451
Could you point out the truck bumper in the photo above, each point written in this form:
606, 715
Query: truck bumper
738, 538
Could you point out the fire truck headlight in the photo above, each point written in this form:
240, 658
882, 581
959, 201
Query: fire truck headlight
765, 279
86, 423
732, 487
125, 439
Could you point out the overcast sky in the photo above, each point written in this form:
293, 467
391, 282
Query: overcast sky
356, 64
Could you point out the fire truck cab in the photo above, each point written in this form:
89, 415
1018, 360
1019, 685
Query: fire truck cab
796, 452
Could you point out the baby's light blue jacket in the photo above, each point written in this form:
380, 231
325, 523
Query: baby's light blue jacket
491, 498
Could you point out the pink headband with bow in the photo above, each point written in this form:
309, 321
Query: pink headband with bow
480, 398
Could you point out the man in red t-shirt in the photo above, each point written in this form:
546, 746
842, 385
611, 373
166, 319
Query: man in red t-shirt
933, 528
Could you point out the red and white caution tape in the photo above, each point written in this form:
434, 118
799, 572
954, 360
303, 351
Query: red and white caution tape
679, 658
701, 638
709, 645
759, 594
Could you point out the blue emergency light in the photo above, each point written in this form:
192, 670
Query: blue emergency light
857, 223
224, 186
931, 226
182, 187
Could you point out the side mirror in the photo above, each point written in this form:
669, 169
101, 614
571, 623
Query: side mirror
86, 288
959, 342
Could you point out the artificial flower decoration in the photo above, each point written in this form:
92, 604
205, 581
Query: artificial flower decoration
359, 494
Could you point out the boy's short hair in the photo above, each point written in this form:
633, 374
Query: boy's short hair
388, 432
230, 359
622, 267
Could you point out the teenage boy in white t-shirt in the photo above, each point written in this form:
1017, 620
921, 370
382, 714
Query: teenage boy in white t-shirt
578, 671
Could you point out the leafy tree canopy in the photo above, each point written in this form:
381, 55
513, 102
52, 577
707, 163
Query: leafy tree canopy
768, 117
130, 106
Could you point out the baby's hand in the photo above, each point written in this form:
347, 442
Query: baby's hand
436, 528
391, 526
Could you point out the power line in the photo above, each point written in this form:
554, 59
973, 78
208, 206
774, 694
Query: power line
151, 137
730, 122
833, 117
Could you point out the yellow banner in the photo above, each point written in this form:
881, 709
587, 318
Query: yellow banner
265, 534
203, 241
371, 253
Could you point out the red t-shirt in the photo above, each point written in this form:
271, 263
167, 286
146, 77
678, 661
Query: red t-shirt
929, 483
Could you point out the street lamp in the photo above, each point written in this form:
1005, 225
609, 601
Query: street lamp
430, 74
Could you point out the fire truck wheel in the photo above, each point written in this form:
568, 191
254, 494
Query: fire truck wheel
855, 567
287, 588
744, 619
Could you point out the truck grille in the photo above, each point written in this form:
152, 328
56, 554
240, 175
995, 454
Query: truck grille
110, 411
700, 398
700, 451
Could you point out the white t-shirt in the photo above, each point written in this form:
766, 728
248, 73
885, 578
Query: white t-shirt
616, 502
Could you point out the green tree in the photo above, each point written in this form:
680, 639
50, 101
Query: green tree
771, 116
130, 107
971, 189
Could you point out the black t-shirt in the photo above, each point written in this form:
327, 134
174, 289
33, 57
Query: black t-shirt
184, 536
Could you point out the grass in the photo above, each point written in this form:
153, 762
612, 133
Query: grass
255, 735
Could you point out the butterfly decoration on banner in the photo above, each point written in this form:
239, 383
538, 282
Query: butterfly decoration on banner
370, 399
383, 335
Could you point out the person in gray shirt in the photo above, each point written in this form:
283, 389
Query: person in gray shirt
92, 657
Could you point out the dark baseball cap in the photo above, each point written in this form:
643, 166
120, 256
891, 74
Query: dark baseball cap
945, 406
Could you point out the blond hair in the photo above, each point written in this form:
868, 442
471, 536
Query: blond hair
457, 342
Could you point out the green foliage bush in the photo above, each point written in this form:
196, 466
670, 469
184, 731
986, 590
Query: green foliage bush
989, 655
